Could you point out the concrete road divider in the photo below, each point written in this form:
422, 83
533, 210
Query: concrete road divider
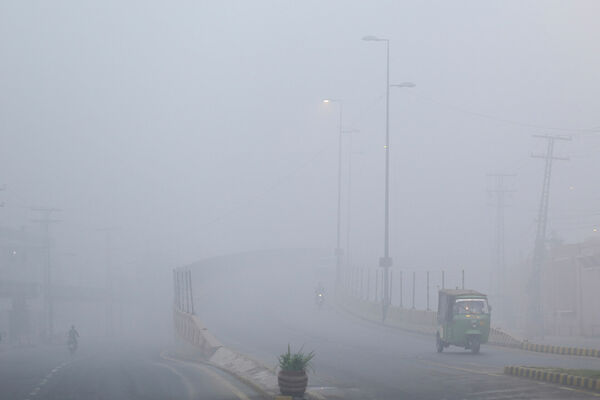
546, 375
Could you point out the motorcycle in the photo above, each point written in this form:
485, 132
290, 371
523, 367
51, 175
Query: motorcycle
72, 345
319, 299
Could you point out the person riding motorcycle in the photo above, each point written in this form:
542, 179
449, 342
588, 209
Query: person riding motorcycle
320, 294
72, 340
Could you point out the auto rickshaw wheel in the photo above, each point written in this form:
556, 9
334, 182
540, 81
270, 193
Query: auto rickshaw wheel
438, 342
475, 344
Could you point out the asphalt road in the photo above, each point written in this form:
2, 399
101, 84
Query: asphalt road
111, 372
260, 312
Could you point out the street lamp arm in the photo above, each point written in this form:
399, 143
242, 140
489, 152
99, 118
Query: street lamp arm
403, 85
371, 38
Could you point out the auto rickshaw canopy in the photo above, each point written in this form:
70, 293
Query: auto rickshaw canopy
447, 298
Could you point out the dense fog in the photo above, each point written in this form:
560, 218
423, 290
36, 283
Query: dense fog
164, 133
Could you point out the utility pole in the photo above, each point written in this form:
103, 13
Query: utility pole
339, 252
110, 298
45, 222
536, 319
349, 133
499, 191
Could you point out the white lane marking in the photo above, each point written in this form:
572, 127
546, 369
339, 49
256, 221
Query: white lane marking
579, 390
35, 391
224, 382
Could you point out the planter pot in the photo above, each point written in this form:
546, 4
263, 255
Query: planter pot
292, 383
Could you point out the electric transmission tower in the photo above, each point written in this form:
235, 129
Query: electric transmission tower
536, 319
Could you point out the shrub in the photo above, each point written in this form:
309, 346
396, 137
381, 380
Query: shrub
298, 361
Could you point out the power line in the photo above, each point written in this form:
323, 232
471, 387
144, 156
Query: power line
572, 130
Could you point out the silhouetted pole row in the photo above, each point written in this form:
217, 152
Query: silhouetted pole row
357, 282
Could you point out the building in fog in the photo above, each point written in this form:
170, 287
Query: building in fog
570, 282
570, 278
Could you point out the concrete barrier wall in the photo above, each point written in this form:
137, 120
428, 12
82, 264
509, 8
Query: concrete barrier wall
420, 321
189, 329
198, 344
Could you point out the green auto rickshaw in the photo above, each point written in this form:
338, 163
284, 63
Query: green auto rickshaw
463, 319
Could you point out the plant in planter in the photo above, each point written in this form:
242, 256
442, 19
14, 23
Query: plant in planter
292, 378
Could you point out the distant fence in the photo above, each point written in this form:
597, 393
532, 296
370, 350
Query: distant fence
415, 289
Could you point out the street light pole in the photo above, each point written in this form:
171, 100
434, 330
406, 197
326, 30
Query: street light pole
349, 133
386, 261
338, 250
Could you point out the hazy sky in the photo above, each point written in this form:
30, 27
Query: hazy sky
196, 128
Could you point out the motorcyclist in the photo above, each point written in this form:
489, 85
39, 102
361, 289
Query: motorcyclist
73, 335
320, 289
320, 294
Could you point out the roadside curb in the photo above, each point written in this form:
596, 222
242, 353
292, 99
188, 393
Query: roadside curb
362, 309
202, 347
497, 336
562, 350
554, 377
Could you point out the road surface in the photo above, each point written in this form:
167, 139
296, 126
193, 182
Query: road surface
260, 311
111, 372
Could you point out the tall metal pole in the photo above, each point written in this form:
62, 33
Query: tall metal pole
386, 260
401, 305
45, 222
414, 288
499, 283
338, 250
427, 290
349, 196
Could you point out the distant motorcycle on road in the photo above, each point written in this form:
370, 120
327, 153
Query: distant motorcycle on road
72, 340
319, 299
72, 345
